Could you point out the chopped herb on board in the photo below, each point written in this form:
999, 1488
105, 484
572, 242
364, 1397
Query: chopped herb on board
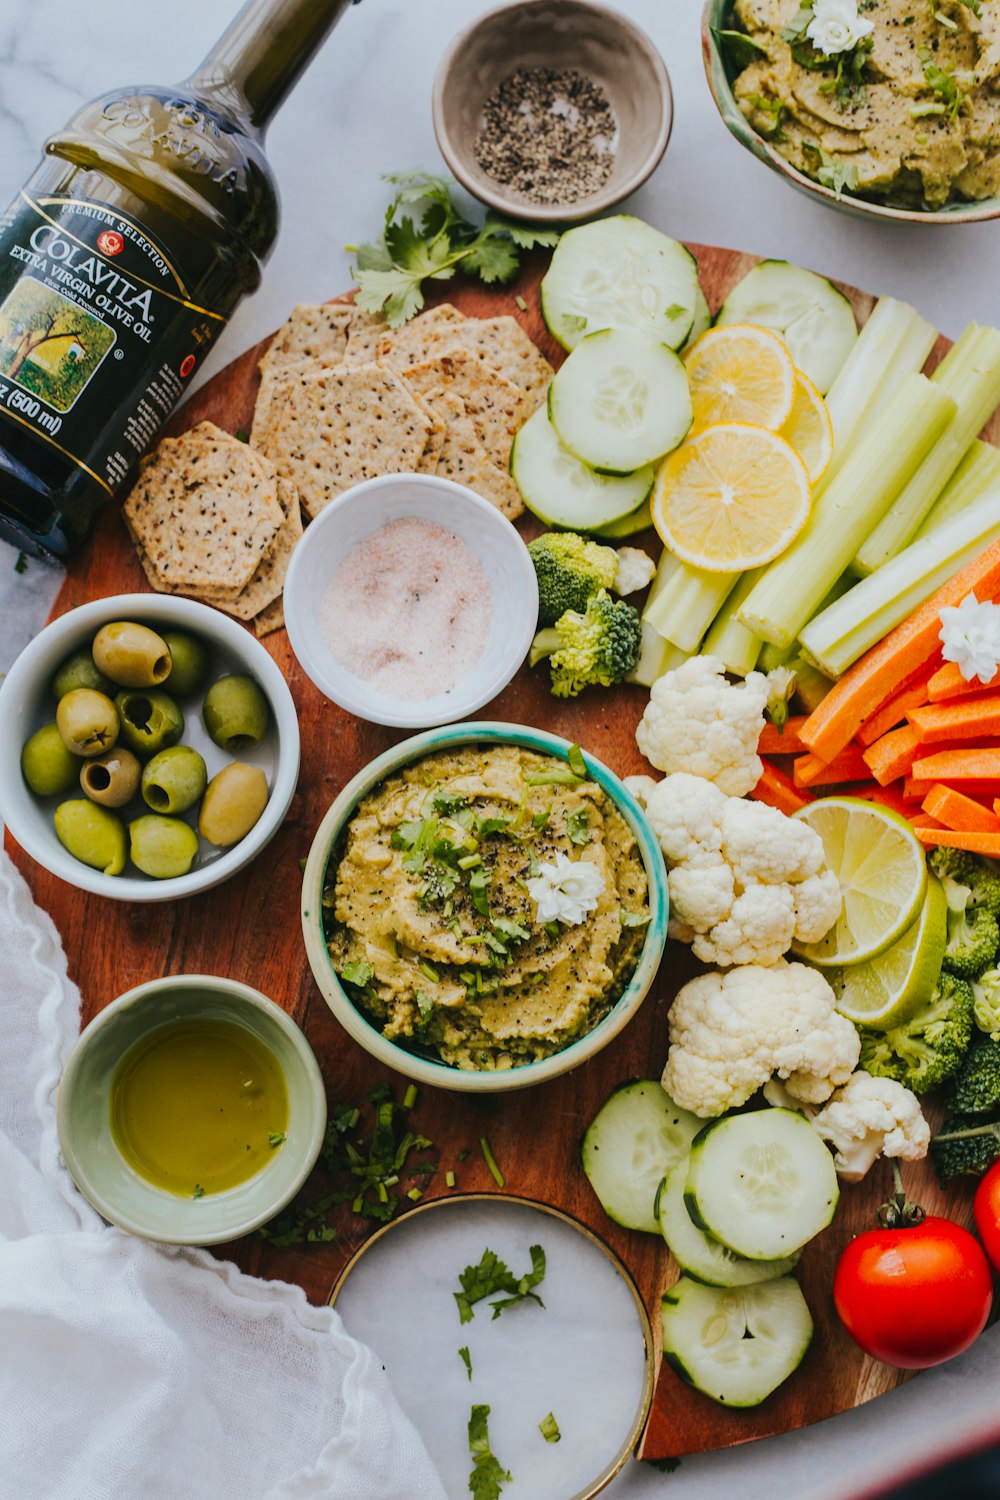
549, 1428
488, 1474
491, 1162
466, 1359
21, 562
492, 1275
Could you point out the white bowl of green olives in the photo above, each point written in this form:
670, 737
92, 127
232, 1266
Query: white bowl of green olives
149, 747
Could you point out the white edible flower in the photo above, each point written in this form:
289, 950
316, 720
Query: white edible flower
836, 26
970, 637
567, 890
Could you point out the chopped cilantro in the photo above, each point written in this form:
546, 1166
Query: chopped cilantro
381, 1093
549, 1428
466, 1359
539, 821
488, 1474
275, 1138
21, 562
241, 435
464, 1154
774, 111
944, 84
739, 49
831, 173
635, 918
578, 826
799, 24
552, 929
199, 1191
478, 881
485, 826
492, 1275
357, 973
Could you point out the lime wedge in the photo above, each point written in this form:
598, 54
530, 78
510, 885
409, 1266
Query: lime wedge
887, 990
883, 878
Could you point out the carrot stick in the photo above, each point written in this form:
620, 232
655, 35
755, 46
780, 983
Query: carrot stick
878, 674
923, 820
996, 806
782, 741
809, 770
978, 763
917, 787
892, 713
893, 755
969, 719
778, 790
958, 812
891, 796
979, 843
948, 682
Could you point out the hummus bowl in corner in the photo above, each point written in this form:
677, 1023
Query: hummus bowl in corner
478, 915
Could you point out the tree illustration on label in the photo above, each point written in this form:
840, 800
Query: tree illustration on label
49, 345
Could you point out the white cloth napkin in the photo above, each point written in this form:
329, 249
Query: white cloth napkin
130, 1371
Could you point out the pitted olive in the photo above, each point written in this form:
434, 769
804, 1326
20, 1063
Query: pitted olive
189, 663
88, 722
236, 713
150, 720
111, 779
131, 654
162, 847
174, 780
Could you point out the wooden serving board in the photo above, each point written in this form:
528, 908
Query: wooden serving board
249, 930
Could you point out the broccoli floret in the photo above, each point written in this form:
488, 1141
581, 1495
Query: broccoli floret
970, 1155
928, 1049
598, 647
973, 937
976, 1089
986, 990
570, 571
959, 868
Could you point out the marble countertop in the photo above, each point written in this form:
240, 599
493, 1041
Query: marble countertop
363, 109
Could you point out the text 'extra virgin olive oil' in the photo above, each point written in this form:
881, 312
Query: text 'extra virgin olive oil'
121, 259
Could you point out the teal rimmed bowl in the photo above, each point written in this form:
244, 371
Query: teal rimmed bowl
429, 1071
83, 1114
717, 16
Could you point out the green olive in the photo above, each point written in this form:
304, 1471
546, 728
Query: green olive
236, 713
149, 720
111, 779
189, 663
131, 655
174, 780
79, 671
46, 764
88, 722
235, 799
92, 835
162, 847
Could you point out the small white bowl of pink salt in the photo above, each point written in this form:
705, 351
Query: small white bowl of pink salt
410, 601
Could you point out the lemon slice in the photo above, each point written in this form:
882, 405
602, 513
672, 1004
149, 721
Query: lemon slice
740, 374
809, 429
731, 498
883, 878
887, 990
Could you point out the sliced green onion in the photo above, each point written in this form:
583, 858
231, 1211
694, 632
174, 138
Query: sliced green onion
491, 1161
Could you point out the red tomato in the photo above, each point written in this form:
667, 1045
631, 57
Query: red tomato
987, 1210
914, 1297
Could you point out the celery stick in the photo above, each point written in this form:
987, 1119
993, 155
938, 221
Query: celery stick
656, 656
811, 686
978, 472
735, 646
894, 343
881, 463
687, 603
970, 375
845, 631
772, 656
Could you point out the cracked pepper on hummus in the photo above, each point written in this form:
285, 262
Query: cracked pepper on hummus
435, 909
907, 112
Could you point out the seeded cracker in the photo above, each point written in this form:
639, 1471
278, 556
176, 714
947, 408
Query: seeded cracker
411, 344
269, 580
316, 335
271, 618
464, 459
491, 400
330, 430
363, 337
204, 510
501, 343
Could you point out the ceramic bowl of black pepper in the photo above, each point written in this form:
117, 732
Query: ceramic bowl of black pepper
552, 110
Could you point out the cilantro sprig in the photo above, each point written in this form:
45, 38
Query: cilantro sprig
492, 1275
488, 1474
431, 244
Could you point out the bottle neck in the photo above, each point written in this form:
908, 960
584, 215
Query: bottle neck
262, 53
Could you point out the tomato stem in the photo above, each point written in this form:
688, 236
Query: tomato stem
897, 1213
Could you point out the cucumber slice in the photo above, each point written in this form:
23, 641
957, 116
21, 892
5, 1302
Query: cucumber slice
636, 1136
636, 520
620, 401
702, 321
561, 490
814, 319
699, 1255
619, 273
763, 1183
736, 1345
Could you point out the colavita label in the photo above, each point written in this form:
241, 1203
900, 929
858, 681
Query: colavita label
97, 332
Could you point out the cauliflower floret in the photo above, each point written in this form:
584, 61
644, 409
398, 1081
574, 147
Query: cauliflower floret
641, 787
635, 570
871, 1117
744, 880
729, 1033
698, 722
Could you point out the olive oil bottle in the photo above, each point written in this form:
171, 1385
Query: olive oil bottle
147, 220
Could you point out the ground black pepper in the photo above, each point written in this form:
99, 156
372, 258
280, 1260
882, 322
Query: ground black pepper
549, 135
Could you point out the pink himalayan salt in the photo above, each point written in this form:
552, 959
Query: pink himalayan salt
408, 610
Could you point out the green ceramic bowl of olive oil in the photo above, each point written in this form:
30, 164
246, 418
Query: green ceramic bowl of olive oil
191, 1110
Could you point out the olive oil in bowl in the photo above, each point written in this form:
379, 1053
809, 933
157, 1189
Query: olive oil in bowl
199, 1106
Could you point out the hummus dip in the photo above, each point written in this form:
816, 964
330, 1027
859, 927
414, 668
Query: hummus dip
915, 118
431, 925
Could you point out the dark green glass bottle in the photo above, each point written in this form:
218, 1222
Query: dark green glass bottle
121, 259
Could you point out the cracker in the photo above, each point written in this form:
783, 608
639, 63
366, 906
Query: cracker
328, 431
268, 581
464, 459
204, 509
501, 343
491, 400
310, 335
363, 337
410, 344
271, 618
